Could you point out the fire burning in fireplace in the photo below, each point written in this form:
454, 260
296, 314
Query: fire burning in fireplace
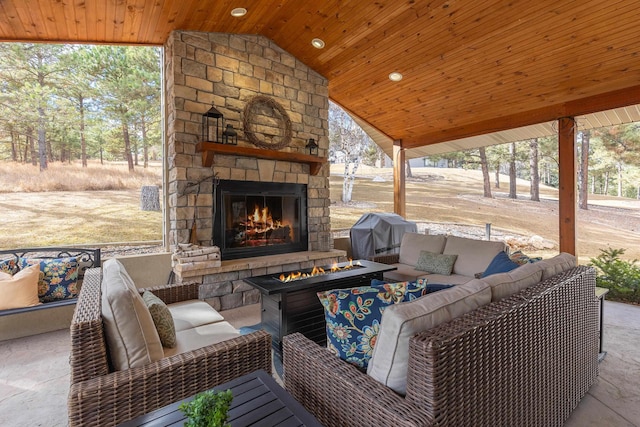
260, 228
317, 271
261, 221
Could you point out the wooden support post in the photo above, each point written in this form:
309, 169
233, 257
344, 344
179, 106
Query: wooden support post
567, 197
399, 195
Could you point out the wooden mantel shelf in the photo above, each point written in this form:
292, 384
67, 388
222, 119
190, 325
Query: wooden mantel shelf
208, 149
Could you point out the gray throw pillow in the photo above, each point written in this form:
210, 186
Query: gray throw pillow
436, 263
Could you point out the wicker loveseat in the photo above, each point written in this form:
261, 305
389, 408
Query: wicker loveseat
101, 396
524, 360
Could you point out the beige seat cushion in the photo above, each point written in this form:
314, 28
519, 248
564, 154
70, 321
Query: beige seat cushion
406, 273
21, 289
202, 336
413, 243
556, 265
400, 322
131, 335
403, 273
452, 279
193, 313
506, 284
474, 256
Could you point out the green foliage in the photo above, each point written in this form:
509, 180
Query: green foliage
621, 277
208, 409
72, 99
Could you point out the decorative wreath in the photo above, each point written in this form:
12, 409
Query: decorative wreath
261, 102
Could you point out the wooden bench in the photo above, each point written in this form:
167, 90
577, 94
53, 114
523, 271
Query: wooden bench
49, 316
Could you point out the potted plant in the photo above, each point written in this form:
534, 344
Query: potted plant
207, 409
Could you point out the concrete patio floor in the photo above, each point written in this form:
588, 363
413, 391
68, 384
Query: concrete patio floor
34, 374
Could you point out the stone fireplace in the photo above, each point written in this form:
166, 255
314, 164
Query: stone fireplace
226, 71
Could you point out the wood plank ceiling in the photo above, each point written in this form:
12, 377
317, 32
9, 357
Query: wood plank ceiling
470, 68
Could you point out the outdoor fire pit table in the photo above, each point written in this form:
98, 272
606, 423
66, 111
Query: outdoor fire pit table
291, 305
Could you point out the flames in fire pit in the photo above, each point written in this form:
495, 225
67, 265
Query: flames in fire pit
317, 271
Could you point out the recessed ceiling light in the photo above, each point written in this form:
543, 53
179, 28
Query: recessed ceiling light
239, 11
395, 76
317, 43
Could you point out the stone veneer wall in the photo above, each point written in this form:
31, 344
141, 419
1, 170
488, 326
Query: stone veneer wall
226, 70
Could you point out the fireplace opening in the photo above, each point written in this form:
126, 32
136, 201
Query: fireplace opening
257, 218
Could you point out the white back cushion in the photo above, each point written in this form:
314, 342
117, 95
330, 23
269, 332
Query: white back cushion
506, 284
474, 256
559, 263
131, 335
400, 322
413, 243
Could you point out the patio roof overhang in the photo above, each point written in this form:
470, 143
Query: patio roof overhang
470, 68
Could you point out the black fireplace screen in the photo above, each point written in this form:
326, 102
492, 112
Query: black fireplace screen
254, 218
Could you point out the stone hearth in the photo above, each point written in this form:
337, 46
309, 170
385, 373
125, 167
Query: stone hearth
224, 288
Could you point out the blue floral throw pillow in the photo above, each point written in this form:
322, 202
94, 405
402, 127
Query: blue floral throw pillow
353, 316
58, 277
9, 266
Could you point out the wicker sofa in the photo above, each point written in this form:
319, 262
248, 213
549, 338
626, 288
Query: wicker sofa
523, 360
472, 257
99, 395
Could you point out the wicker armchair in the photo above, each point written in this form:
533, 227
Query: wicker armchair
99, 396
526, 360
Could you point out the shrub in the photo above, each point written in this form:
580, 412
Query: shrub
207, 409
621, 277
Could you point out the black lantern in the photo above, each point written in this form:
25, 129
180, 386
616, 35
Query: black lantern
312, 147
211, 121
230, 136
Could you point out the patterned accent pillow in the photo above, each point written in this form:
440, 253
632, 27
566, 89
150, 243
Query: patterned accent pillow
353, 316
519, 258
58, 277
436, 263
161, 318
9, 266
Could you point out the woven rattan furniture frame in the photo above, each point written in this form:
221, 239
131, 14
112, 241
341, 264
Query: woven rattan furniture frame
100, 397
523, 361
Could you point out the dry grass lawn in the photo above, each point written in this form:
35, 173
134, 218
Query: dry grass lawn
75, 218
456, 196
451, 196
71, 205
19, 177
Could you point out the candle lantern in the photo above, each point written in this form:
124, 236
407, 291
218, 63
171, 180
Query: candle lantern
312, 147
230, 136
211, 122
